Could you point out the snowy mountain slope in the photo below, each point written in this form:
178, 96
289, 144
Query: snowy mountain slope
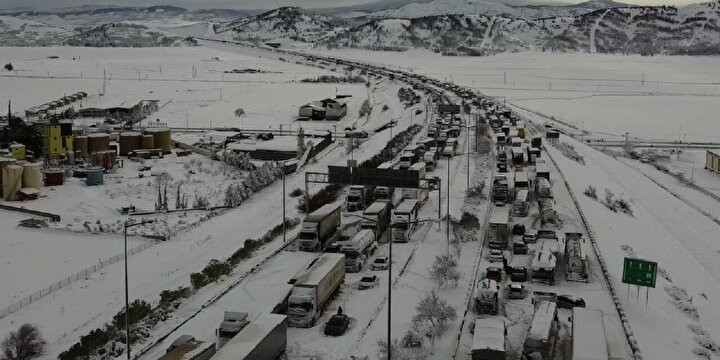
19, 32
494, 8
123, 34
290, 22
643, 30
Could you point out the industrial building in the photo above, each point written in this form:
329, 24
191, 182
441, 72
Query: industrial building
327, 109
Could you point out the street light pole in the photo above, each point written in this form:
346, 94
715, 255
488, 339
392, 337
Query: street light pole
127, 298
389, 319
447, 211
283, 202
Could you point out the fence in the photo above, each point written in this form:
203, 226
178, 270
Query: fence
69, 280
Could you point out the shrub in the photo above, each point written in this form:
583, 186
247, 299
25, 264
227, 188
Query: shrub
198, 280
296, 192
138, 310
216, 268
385, 107
167, 297
469, 221
324, 196
365, 108
591, 192
9, 67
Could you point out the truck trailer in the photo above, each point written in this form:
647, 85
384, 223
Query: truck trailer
489, 339
264, 338
358, 197
376, 218
185, 347
319, 226
498, 233
404, 217
313, 291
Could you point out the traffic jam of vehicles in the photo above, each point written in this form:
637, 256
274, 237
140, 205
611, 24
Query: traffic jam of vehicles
529, 259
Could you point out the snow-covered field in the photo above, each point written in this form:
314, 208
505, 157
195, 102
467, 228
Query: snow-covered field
655, 97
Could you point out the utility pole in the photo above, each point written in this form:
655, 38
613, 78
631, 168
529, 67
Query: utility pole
283, 205
389, 318
447, 211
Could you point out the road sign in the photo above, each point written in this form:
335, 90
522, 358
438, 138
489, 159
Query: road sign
639, 272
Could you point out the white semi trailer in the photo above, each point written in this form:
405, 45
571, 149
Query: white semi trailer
314, 290
319, 226
264, 338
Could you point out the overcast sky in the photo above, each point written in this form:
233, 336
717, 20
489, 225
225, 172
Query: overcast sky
255, 4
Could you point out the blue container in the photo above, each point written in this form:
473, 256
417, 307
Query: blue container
94, 177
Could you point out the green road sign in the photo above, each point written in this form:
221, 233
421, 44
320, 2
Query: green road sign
639, 272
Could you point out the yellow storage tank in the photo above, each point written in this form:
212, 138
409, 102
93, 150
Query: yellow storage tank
129, 141
17, 151
32, 176
161, 138
12, 182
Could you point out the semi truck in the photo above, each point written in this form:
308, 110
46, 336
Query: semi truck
489, 339
358, 249
319, 226
230, 326
498, 232
575, 262
376, 218
358, 197
313, 291
264, 338
487, 299
185, 347
404, 217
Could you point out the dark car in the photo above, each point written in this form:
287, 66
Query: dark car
519, 274
569, 302
494, 273
337, 325
520, 248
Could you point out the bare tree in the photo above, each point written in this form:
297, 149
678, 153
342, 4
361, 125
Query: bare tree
24, 344
444, 270
433, 314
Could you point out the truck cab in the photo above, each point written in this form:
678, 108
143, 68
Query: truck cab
231, 324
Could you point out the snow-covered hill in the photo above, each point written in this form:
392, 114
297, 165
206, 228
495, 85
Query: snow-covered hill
19, 32
493, 8
287, 22
645, 30
124, 34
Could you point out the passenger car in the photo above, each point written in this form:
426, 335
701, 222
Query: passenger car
380, 263
495, 256
337, 325
516, 291
368, 281
569, 301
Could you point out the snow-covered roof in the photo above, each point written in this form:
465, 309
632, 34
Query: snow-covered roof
406, 206
588, 332
542, 321
240, 346
489, 334
543, 260
376, 207
500, 215
322, 266
322, 212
